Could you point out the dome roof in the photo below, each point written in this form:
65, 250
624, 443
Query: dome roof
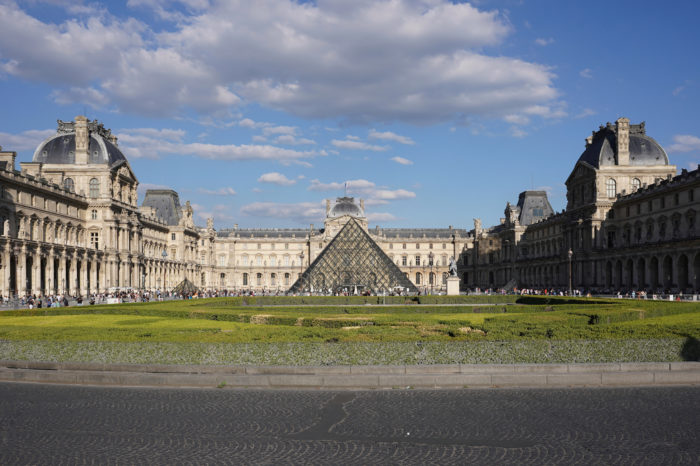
644, 150
346, 206
60, 148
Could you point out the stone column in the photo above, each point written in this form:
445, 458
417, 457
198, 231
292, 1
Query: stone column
93, 275
73, 275
61, 279
83, 275
22, 271
36, 272
6, 262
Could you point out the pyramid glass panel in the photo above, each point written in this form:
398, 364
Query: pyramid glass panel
352, 260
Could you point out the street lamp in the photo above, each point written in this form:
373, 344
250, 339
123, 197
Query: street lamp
570, 254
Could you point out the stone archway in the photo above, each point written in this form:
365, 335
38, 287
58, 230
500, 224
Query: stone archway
618, 274
608, 274
682, 272
641, 273
654, 273
696, 273
667, 272
629, 274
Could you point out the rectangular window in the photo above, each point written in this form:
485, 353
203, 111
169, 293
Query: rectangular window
404, 245
245, 279
222, 261
95, 240
391, 245
258, 260
172, 236
691, 195
286, 261
286, 245
404, 261
417, 260
245, 260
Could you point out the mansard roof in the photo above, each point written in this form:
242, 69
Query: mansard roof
60, 148
166, 203
534, 206
417, 233
601, 148
244, 233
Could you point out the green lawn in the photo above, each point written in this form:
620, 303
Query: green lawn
545, 329
227, 321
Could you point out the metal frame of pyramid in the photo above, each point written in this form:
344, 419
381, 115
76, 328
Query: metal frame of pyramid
352, 260
185, 287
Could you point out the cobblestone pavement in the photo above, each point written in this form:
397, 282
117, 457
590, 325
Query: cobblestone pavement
48, 424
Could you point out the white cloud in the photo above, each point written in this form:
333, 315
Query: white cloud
155, 143
517, 119
81, 95
402, 161
357, 145
389, 60
302, 212
374, 195
221, 213
25, 140
276, 178
544, 42
517, 132
586, 73
585, 113
226, 191
684, 143
291, 140
389, 136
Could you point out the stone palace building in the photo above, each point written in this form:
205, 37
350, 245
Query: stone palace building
630, 224
71, 223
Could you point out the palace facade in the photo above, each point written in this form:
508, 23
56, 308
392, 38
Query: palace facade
70, 223
630, 224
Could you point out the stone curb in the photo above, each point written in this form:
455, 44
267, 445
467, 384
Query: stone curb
355, 377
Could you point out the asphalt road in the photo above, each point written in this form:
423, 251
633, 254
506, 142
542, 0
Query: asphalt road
47, 424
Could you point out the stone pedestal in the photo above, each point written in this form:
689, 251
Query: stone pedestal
452, 286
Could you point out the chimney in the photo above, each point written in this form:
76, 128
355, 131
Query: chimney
623, 141
82, 140
362, 205
328, 207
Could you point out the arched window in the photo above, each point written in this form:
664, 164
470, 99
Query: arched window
69, 185
611, 187
636, 184
94, 188
245, 279
418, 278
259, 279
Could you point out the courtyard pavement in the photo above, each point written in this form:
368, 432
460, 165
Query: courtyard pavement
53, 424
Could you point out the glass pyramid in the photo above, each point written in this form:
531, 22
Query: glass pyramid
352, 259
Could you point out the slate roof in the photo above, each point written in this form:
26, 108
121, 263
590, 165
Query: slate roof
265, 232
166, 203
417, 233
644, 150
534, 206
60, 149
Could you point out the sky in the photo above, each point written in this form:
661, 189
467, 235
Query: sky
434, 112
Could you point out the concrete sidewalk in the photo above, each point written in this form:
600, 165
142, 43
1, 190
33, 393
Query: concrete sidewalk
355, 377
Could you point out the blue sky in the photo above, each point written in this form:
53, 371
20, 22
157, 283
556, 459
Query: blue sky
434, 112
